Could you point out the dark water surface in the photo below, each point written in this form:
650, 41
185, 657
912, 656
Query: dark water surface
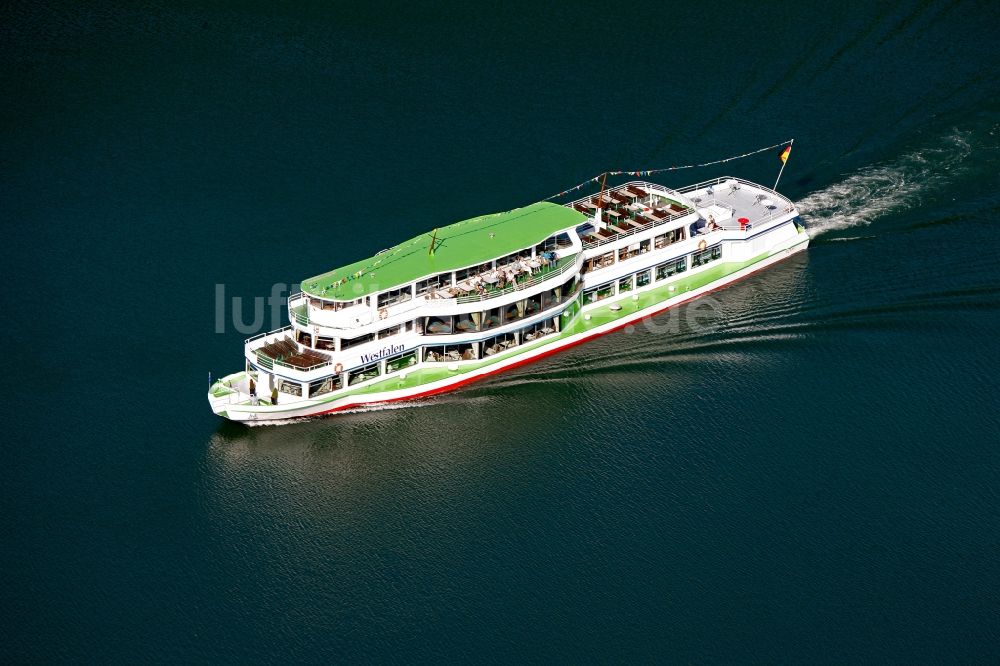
811, 476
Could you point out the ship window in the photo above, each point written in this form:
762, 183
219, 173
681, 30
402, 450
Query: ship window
438, 325
633, 250
706, 255
304, 338
325, 385
329, 344
491, 318
432, 283
291, 388
450, 353
557, 242
347, 343
606, 259
538, 330
663, 271
625, 284
363, 374
465, 323
393, 296
598, 293
514, 311
388, 332
400, 362
498, 343
533, 305
642, 278
668, 238
473, 271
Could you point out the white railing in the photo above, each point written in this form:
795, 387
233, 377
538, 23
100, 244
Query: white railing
264, 335
726, 180
570, 262
631, 232
635, 183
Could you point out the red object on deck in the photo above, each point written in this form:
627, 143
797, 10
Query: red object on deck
744, 221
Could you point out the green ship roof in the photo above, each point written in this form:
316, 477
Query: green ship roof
458, 245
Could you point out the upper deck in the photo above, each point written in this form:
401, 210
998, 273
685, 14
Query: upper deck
474, 241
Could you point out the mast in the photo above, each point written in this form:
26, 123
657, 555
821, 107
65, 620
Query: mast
600, 197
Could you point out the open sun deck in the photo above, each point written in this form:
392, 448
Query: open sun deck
476, 240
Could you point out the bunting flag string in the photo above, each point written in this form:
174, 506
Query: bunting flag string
640, 173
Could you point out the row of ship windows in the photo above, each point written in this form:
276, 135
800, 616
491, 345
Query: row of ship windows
634, 250
429, 353
452, 324
661, 272
481, 321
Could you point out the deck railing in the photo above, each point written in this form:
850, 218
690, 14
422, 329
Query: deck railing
264, 335
562, 265
299, 311
625, 234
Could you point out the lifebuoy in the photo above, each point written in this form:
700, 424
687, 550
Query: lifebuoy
383, 313
339, 368
702, 245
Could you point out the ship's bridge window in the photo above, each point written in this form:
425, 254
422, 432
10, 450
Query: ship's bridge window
706, 255
393, 296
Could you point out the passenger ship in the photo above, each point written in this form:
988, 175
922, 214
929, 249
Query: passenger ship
495, 292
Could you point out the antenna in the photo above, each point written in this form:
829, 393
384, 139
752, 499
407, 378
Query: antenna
433, 240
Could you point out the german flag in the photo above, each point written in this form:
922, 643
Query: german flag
785, 153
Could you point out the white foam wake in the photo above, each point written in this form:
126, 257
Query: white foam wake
878, 190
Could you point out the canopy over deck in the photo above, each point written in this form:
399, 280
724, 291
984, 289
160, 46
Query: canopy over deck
458, 245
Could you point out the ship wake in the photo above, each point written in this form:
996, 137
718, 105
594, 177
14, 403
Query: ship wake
879, 190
